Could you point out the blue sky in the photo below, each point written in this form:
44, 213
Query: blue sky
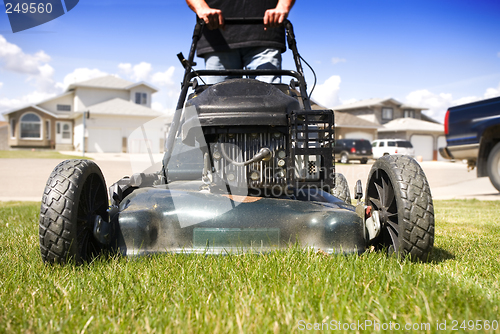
430, 53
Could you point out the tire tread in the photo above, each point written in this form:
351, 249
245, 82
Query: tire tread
56, 229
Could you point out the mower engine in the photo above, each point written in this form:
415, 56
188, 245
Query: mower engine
259, 140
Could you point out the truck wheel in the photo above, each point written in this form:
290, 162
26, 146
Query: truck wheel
398, 189
344, 158
74, 197
341, 190
494, 166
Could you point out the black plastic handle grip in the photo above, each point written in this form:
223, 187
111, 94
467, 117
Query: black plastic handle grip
241, 20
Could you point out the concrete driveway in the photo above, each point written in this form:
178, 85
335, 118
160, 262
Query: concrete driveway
447, 180
24, 179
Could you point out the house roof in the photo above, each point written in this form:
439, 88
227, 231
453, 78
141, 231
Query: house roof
37, 108
411, 124
350, 121
347, 120
110, 82
121, 107
375, 103
429, 119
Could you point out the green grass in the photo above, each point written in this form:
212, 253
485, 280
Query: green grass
43, 154
270, 293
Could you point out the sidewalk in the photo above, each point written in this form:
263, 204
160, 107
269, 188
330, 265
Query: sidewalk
24, 179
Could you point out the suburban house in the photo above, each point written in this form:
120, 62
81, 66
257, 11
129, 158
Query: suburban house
401, 121
4, 131
350, 126
112, 108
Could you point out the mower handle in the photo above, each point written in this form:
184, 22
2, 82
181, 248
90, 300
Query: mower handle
241, 20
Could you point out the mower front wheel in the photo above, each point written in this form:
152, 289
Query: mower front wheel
398, 189
75, 197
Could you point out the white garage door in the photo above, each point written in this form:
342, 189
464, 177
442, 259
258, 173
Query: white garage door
424, 146
441, 143
104, 140
359, 135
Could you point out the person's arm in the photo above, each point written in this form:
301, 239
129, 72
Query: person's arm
212, 17
275, 17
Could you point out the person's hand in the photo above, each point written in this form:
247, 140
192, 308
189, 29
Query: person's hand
274, 17
212, 17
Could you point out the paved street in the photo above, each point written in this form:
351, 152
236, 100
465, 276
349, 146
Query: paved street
24, 179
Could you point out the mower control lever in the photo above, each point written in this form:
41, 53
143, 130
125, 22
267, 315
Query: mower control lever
185, 62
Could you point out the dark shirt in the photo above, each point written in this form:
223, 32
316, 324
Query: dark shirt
241, 36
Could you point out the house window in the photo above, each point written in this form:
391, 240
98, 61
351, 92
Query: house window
63, 107
387, 113
13, 128
47, 130
31, 126
141, 98
409, 113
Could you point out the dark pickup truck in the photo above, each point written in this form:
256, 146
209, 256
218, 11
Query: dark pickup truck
473, 133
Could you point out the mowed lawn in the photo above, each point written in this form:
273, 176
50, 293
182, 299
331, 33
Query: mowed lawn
282, 292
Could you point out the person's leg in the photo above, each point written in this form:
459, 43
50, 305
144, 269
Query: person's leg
222, 61
262, 58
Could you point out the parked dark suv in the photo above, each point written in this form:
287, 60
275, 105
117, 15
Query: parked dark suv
353, 149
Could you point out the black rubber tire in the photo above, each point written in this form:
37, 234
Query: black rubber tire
397, 187
363, 161
75, 193
341, 190
344, 158
494, 166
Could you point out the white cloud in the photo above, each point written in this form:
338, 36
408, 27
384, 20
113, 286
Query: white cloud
14, 59
35, 66
141, 71
164, 78
439, 103
492, 92
125, 68
327, 94
80, 74
336, 60
1, 85
7, 104
436, 103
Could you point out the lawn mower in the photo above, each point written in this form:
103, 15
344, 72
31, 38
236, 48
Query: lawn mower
262, 178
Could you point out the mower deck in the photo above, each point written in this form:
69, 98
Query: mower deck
159, 219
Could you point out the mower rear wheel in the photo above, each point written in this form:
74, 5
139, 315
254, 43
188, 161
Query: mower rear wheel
74, 197
494, 166
398, 189
341, 190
